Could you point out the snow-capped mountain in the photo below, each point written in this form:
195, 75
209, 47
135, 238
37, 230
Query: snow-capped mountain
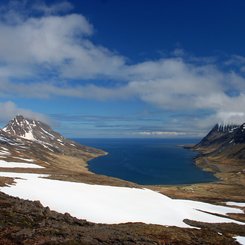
226, 128
34, 138
31, 130
215, 136
228, 140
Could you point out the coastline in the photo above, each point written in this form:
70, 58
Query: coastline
230, 184
75, 169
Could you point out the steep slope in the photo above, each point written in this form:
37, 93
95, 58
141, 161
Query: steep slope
218, 135
40, 133
224, 140
239, 136
34, 140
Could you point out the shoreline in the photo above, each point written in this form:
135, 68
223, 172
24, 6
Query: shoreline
227, 182
226, 187
189, 147
230, 183
59, 169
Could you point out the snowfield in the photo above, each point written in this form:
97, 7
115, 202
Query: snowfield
238, 204
112, 205
4, 164
240, 239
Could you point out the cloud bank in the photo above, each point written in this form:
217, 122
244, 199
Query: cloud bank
9, 110
42, 55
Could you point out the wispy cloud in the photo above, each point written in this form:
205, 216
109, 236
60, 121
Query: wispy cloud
162, 133
9, 109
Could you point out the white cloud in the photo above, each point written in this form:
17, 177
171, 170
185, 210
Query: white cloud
161, 133
57, 43
61, 46
9, 110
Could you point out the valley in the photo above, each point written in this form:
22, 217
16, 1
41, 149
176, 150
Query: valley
33, 155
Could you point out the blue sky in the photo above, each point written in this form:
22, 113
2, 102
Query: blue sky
113, 68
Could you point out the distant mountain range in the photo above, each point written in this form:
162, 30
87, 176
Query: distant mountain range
224, 140
23, 137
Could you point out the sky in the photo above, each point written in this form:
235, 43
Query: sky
123, 68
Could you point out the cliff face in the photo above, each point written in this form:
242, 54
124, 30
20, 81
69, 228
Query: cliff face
224, 140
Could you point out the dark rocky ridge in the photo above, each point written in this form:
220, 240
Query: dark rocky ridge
225, 140
218, 135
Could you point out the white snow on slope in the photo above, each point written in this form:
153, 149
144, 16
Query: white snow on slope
240, 239
4, 153
46, 132
112, 205
238, 204
4, 164
5, 149
28, 136
24, 159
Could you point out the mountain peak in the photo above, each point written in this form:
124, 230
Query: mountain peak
30, 129
28, 138
224, 128
216, 134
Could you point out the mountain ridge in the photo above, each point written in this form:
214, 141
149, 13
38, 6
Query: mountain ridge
24, 138
228, 141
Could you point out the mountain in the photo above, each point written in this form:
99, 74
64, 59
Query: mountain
27, 138
224, 140
31, 129
218, 135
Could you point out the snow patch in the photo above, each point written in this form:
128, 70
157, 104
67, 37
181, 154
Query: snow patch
4, 164
238, 204
47, 147
240, 239
25, 159
6, 149
29, 136
4, 153
47, 133
113, 205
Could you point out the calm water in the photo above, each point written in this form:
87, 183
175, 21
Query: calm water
147, 161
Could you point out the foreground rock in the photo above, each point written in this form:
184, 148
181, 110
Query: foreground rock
25, 222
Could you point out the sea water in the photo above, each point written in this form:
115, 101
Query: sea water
148, 161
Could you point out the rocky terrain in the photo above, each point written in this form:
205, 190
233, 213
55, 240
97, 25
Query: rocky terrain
226, 141
26, 222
